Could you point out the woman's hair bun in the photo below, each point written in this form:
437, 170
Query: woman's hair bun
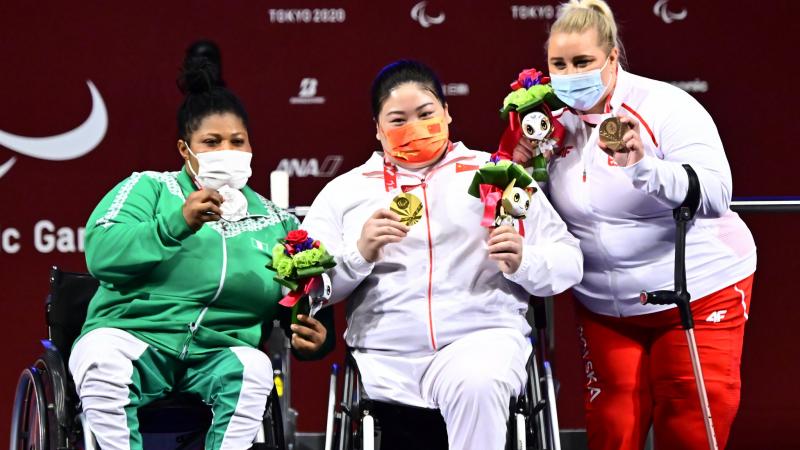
198, 75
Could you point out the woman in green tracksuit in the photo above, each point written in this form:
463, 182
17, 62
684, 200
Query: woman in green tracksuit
184, 295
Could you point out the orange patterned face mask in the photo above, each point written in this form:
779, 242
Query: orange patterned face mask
419, 141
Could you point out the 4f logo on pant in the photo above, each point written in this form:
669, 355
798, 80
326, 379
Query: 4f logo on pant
716, 316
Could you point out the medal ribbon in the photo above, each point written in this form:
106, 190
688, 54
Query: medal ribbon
510, 138
490, 196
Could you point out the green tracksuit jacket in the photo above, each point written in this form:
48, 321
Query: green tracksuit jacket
186, 293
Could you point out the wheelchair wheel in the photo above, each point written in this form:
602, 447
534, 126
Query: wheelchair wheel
273, 424
30, 414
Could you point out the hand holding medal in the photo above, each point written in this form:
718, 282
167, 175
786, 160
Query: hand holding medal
384, 227
620, 139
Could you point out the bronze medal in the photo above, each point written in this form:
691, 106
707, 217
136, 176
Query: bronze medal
611, 132
408, 207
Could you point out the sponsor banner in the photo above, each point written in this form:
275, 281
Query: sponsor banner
307, 95
45, 237
306, 15
533, 12
455, 89
696, 86
311, 167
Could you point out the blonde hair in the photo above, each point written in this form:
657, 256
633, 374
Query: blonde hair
577, 16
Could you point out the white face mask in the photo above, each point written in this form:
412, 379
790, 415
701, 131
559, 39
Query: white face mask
581, 90
222, 168
225, 171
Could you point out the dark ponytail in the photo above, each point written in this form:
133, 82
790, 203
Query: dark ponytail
401, 72
201, 82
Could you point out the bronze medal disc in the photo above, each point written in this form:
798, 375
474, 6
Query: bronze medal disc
408, 207
611, 132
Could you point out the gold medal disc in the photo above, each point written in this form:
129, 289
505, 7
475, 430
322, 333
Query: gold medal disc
408, 207
611, 132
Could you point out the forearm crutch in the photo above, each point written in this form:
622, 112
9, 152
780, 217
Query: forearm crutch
680, 296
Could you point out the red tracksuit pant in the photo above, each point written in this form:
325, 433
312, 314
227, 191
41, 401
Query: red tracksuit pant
639, 373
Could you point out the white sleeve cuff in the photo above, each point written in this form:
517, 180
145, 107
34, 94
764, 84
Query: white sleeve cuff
522, 271
640, 172
353, 259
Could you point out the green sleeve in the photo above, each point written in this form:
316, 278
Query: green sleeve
127, 235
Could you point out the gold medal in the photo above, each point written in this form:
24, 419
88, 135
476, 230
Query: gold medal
611, 132
408, 207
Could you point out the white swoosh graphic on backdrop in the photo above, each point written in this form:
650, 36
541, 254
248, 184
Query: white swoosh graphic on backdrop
70, 145
7, 165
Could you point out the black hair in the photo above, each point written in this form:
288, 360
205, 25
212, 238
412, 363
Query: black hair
400, 72
201, 82
209, 50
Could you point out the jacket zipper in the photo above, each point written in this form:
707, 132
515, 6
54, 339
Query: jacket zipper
195, 325
588, 210
424, 186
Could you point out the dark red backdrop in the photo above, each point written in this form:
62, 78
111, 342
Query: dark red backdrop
733, 58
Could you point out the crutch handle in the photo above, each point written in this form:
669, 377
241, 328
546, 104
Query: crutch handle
679, 299
659, 298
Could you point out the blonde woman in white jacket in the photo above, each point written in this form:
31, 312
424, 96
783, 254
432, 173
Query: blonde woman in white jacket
436, 309
619, 204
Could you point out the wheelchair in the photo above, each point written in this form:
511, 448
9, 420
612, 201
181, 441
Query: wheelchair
357, 422
47, 413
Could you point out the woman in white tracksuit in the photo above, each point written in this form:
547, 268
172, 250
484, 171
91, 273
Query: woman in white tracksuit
619, 204
436, 310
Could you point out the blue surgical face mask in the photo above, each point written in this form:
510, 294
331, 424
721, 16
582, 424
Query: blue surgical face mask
580, 91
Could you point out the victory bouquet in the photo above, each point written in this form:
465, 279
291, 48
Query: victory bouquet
300, 263
529, 112
505, 188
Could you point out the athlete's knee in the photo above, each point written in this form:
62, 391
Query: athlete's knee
99, 361
256, 367
482, 385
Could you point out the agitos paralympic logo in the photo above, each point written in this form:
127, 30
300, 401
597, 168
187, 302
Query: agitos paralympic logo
61, 147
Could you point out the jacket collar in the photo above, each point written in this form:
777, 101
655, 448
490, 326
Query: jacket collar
621, 89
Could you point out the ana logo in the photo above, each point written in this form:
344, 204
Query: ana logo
308, 93
296, 167
661, 10
418, 13
61, 147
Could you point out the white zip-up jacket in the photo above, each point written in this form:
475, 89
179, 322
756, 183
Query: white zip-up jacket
623, 216
438, 283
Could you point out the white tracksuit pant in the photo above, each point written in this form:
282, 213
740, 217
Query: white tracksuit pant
115, 373
471, 382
